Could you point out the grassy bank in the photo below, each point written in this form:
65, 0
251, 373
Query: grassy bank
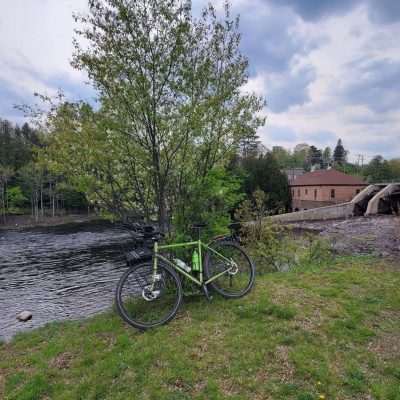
330, 333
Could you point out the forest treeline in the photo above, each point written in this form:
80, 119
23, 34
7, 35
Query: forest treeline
309, 157
29, 184
26, 185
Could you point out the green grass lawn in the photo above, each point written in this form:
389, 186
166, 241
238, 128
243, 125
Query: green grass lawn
331, 332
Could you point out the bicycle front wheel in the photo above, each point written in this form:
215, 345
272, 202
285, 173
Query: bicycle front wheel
146, 301
239, 275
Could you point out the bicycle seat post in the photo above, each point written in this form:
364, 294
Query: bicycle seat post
197, 228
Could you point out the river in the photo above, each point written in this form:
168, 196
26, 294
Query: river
58, 273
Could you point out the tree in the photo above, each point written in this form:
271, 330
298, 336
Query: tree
172, 108
282, 156
339, 154
394, 166
5, 174
263, 173
32, 176
15, 197
327, 157
378, 170
315, 157
250, 146
300, 155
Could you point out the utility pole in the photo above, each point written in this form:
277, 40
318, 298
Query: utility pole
360, 160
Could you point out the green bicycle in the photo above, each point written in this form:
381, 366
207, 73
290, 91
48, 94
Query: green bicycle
150, 293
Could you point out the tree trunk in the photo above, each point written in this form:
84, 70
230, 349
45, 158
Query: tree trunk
41, 200
36, 205
3, 209
162, 212
52, 199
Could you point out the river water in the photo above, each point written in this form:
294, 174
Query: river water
58, 273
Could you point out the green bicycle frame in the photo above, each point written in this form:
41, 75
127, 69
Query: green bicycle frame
196, 244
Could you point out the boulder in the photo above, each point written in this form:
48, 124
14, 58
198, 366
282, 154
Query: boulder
24, 316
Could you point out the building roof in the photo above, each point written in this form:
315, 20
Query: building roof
327, 177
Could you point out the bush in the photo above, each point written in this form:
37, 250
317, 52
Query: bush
15, 198
272, 246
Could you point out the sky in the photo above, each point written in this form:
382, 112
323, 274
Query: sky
328, 69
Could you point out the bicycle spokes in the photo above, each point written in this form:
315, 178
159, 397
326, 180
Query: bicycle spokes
148, 299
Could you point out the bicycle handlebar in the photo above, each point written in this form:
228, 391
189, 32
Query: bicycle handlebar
141, 232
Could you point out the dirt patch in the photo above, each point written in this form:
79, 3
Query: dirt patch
286, 370
386, 346
62, 361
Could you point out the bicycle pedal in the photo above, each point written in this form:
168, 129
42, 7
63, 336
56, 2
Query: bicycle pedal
206, 293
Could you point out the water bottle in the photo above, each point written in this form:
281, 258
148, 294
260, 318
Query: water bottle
182, 264
195, 261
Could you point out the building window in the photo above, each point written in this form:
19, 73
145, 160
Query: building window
357, 191
298, 192
332, 193
293, 192
315, 194
306, 191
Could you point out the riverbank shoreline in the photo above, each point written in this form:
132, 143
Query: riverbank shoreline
22, 222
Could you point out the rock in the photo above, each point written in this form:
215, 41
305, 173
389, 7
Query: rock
24, 316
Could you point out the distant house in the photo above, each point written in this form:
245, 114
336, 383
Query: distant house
322, 188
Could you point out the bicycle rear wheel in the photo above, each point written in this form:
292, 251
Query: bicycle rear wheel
145, 304
239, 277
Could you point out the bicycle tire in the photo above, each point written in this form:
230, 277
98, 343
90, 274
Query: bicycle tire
214, 264
138, 278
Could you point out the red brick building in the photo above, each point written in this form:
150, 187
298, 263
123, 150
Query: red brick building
323, 188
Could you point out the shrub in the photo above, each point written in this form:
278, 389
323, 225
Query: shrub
273, 246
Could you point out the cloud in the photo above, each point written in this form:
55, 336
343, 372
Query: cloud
276, 45
289, 90
379, 11
313, 10
375, 84
377, 146
320, 138
384, 11
35, 49
280, 133
268, 39
8, 98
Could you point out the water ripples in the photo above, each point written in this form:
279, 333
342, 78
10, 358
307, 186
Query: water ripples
57, 273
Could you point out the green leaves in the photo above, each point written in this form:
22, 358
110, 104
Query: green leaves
171, 109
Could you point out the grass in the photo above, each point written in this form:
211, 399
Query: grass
330, 332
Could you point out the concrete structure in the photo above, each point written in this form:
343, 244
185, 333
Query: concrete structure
323, 188
374, 199
387, 199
